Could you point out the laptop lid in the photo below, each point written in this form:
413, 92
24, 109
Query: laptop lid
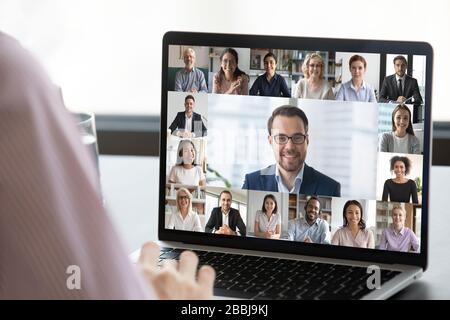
309, 146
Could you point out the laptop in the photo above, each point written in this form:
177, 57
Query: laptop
297, 167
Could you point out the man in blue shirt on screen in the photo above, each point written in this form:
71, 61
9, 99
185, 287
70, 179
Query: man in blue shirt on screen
288, 136
190, 78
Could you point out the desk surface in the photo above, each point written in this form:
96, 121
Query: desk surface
129, 185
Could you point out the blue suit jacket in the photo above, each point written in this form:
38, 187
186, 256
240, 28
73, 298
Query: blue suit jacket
314, 182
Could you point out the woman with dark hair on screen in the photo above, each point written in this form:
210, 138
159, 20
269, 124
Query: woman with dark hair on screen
186, 171
401, 139
270, 84
230, 79
353, 233
400, 189
53, 223
268, 220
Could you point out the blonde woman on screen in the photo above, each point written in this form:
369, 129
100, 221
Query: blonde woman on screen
397, 237
313, 86
184, 218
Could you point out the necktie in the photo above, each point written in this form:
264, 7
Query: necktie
400, 88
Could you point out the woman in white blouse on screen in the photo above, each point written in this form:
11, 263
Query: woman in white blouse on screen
184, 218
186, 171
268, 220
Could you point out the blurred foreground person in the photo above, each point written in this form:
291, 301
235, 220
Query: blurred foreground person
51, 215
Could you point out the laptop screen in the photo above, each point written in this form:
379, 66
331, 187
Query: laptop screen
312, 144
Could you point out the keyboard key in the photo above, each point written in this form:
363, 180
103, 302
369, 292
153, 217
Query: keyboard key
170, 255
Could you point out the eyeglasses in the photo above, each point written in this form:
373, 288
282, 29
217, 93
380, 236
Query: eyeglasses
183, 198
315, 65
297, 138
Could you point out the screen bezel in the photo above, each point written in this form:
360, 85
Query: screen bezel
312, 44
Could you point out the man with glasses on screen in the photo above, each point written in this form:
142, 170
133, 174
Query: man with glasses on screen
288, 136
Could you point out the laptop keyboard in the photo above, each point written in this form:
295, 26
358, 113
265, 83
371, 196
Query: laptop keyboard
253, 277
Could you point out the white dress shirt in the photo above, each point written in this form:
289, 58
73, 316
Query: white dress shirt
190, 223
188, 125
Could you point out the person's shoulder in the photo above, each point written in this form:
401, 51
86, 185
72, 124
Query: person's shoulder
253, 174
260, 77
326, 85
277, 76
413, 138
323, 222
234, 211
180, 72
367, 85
346, 84
215, 210
270, 170
387, 136
192, 213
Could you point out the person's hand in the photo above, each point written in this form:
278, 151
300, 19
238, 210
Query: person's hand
194, 90
186, 134
176, 280
308, 239
225, 229
235, 85
268, 234
401, 99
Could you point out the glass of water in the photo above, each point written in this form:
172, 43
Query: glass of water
86, 126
